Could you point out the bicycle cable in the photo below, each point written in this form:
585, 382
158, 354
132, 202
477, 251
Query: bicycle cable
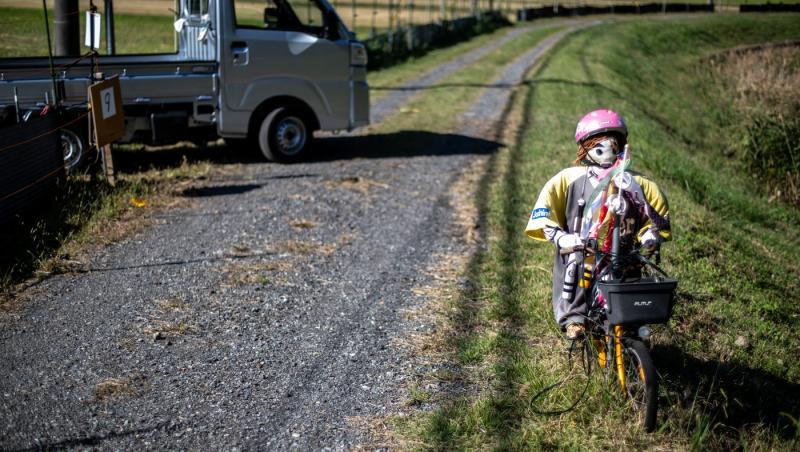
585, 359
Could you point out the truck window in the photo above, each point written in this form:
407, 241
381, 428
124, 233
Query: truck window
307, 11
198, 7
289, 15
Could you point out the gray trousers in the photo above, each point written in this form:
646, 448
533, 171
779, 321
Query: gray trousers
569, 306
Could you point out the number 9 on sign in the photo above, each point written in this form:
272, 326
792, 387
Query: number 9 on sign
107, 105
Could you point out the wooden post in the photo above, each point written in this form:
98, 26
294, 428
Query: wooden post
355, 16
108, 165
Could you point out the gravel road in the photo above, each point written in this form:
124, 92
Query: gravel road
266, 315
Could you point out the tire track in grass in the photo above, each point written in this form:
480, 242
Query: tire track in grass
399, 95
486, 113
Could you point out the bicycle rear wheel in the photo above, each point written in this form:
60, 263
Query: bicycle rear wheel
641, 381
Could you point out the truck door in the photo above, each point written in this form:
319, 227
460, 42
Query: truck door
282, 48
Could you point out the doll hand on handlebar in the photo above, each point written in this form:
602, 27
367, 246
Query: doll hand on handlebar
569, 241
650, 240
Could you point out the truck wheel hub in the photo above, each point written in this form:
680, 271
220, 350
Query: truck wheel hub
72, 148
291, 135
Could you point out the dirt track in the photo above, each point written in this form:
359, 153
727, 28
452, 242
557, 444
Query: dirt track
267, 315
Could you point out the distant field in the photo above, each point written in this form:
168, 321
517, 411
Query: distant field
22, 33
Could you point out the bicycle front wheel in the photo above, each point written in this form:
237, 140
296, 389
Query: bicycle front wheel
641, 381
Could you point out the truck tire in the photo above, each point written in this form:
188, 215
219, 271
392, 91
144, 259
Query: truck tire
284, 135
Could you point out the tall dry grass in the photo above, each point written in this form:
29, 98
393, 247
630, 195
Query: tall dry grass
762, 86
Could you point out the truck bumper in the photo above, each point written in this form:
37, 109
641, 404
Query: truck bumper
360, 109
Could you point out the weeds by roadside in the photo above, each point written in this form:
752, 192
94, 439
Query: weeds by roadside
113, 387
87, 213
758, 96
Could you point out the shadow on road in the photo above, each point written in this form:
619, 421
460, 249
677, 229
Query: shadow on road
436, 86
220, 190
93, 440
407, 143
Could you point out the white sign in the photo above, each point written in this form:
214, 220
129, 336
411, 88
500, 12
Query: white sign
92, 30
108, 105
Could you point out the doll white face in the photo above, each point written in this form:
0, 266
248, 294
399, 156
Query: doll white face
603, 153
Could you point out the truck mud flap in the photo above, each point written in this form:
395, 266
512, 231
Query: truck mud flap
169, 126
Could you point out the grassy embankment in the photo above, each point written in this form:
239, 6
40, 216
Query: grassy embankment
730, 378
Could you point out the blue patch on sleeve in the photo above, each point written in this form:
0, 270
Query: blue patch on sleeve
541, 212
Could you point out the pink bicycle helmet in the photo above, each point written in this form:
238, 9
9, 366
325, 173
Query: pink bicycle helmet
599, 121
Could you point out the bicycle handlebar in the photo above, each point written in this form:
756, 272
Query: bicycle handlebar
571, 249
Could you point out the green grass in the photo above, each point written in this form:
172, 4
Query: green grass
86, 212
399, 73
31, 245
733, 254
22, 33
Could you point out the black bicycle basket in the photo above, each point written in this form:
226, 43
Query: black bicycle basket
638, 301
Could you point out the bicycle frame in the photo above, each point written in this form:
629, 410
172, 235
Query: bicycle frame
623, 343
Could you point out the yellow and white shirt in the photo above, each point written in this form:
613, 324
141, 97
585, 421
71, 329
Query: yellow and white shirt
558, 207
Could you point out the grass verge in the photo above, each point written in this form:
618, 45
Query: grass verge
728, 377
382, 79
87, 212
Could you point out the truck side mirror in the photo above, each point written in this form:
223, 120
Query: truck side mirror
271, 17
330, 27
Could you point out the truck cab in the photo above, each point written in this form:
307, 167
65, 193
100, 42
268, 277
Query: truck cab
295, 70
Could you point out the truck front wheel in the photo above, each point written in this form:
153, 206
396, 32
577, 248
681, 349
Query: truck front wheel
284, 135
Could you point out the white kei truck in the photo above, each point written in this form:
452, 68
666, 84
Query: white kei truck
273, 80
